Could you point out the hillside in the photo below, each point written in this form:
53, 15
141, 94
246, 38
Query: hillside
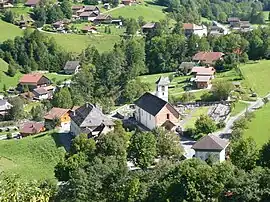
31, 157
9, 31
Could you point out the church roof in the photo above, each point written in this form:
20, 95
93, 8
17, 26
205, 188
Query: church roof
210, 142
163, 81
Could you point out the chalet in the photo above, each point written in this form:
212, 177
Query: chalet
203, 76
31, 128
211, 145
91, 9
5, 106
89, 29
127, 2
245, 26
154, 110
76, 8
88, 16
90, 120
72, 67
208, 58
33, 80
148, 27
58, 114
32, 3
190, 29
103, 18
234, 22
43, 93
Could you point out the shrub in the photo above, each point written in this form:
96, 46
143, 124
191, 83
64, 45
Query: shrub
221, 124
9, 136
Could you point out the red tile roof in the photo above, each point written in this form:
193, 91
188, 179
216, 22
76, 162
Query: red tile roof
187, 26
31, 78
55, 113
31, 128
208, 57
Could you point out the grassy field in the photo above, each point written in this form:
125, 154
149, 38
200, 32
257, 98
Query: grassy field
239, 106
259, 127
195, 115
8, 31
149, 11
32, 157
257, 76
57, 77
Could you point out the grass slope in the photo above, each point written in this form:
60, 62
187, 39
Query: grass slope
150, 12
259, 127
239, 106
32, 157
8, 31
257, 76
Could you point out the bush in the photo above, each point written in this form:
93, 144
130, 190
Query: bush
221, 124
249, 115
9, 136
189, 132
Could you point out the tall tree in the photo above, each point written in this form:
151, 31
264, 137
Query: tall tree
62, 99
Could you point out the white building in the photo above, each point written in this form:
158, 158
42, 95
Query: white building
211, 145
154, 110
200, 30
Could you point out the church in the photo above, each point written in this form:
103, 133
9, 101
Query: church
154, 110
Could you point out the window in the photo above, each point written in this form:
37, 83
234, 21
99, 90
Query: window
168, 116
163, 88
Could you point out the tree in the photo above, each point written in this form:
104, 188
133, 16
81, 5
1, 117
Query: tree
132, 26
264, 155
66, 9
244, 153
9, 16
187, 97
205, 125
37, 113
222, 89
90, 2
11, 70
62, 99
17, 111
142, 149
168, 144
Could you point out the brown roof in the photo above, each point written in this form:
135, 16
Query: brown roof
76, 7
88, 28
208, 57
103, 17
40, 91
31, 128
55, 113
31, 78
203, 70
233, 19
210, 142
88, 14
31, 2
149, 25
91, 8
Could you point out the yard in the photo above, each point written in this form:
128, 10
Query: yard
194, 115
239, 106
147, 10
32, 157
256, 76
259, 127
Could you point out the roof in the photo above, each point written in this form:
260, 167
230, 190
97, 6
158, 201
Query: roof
89, 28
151, 103
31, 127
4, 105
203, 70
40, 91
202, 78
72, 65
233, 19
163, 81
189, 26
90, 116
88, 14
208, 56
31, 2
55, 112
103, 17
76, 7
31, 78
210, 142
91, 8
149, 25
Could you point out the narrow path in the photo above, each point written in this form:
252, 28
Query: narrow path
120, 6
188, 117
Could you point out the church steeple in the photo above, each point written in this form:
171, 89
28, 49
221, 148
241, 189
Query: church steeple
162, 88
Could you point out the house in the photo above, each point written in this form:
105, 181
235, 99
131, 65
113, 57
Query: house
72, 67
33, 80
92, 9
154, 110
148, 27
189, 29
90, 120
234, 21
245, 26
41, 94
203, 76
127, 2
208, 58
211, 145
31, 128
103, 18
75, 9
32, 3
58, 114
185, 67
88, 16
5, 106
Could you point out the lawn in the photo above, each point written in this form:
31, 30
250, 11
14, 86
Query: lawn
259, 127
195, 115
239, 106
149, 11
57, 77
257, 76
8, 31
32, 157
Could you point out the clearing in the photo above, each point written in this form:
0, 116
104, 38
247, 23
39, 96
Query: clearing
256, 76
32, 157
194, 115
259, 127
148, 11
9, 31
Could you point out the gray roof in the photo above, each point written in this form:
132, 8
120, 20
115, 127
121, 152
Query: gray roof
72, 65
149, 25
40, 91
4, 105
89, 116
210, 142
163, 81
